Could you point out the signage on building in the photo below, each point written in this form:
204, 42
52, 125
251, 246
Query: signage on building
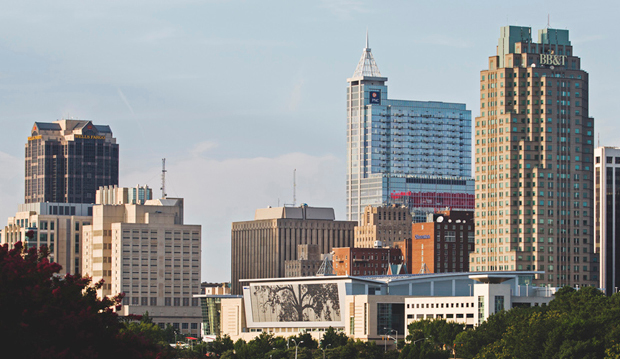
375, 97
553, 60
32, 138
91, 137
423, 236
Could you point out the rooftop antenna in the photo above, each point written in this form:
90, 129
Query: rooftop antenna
163, 178
548, 21
598, 142
366, 37
294, 190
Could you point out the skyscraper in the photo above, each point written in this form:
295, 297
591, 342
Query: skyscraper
261, 248
606, 213
412, 153
533, 163
68, 160
147, 252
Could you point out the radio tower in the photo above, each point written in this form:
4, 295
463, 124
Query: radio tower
163, 178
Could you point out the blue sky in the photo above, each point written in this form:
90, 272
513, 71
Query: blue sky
237, 94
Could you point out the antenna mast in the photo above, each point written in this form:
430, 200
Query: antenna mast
294, 187
163, 178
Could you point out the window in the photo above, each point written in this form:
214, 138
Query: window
499, 303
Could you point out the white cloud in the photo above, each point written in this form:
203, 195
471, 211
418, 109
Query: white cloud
11, 184
219, 192
345, 9
202, 147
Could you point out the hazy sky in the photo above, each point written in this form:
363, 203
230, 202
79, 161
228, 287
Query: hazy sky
237, 94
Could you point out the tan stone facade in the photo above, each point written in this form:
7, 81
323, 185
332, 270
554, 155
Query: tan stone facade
146, 252
533, 161
387, 224
261, 247
62, 234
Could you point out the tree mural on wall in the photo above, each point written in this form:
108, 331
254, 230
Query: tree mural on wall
299, 302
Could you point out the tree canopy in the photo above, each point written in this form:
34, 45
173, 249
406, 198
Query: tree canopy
45, 315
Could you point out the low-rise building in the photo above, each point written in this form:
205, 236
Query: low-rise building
369, 307
368, 261
55, 225
442, 244
307, 263
385, 224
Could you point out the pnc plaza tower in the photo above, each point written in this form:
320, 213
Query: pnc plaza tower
411, 153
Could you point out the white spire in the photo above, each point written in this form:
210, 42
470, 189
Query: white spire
367, 67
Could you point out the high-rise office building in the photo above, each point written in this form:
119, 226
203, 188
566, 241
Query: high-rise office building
68, 160
260, 248
148, 253
413, 153
533, 166
606, 214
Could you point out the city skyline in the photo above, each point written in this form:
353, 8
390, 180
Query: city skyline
150, 75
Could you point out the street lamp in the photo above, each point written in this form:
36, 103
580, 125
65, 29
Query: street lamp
324, 350
395, 338
296, 346
419, 340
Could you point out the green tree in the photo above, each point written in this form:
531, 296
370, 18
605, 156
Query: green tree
150, 331
47, 315
221, 344
332, 338
261, 345
307, 339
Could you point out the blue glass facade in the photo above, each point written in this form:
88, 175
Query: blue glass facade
391, 142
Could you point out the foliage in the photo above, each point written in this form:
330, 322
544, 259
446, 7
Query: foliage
52, 316
307, 339
431, 338
576, 324
333, 339
221, 344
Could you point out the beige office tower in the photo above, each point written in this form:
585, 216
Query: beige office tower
55, 225
261, 248
383, 226
534, 149
146, 252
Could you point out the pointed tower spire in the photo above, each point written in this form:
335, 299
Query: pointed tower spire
367, 65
